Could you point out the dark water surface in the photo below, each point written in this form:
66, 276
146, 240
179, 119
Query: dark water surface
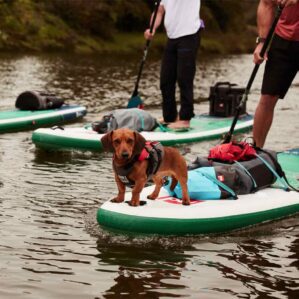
50, 243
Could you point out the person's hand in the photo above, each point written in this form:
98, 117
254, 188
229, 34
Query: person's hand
148, 35
257, 59
284, 3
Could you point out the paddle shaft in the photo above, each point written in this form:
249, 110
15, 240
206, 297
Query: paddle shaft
145, 51
265, 47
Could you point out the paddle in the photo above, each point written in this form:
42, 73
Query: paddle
228, 136
135, 100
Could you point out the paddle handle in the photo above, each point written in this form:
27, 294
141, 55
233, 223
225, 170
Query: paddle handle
145, 51
265, 47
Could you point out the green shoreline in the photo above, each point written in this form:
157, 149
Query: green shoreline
126, 43
64, 26
129, 43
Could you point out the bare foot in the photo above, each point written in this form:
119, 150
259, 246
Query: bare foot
163, 122
180, 124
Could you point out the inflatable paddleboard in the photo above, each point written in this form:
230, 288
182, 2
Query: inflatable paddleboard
167, 216
18, 120
202, 127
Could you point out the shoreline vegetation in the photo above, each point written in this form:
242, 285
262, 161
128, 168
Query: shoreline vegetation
116, 26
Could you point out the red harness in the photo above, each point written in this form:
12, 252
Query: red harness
153, 152
147, 149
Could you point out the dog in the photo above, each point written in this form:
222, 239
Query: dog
128, 146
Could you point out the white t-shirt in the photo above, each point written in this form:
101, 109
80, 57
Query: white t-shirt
181, 17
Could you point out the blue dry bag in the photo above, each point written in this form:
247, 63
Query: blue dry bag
202, 185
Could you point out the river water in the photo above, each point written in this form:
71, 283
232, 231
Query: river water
50, 243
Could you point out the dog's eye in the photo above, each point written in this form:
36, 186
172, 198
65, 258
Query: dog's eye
130, 141
116, 141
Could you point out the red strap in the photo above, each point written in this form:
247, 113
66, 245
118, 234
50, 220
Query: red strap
144, 154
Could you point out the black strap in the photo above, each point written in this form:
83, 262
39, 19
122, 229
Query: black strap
278, 168
254, 188
57, 127
157, 148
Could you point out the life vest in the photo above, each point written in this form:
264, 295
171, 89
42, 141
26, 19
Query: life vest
232, 151
153, 152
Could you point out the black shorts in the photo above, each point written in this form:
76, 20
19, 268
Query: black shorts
281, 67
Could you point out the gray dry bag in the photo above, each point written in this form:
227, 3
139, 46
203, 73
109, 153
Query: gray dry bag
133, 118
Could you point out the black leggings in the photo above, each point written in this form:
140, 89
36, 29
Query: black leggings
179, 65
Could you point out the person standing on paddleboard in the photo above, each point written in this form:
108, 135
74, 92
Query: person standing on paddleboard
182, 24
282, 61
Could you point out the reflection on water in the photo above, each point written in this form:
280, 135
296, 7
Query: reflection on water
50, 243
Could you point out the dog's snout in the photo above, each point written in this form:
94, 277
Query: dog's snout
125, 154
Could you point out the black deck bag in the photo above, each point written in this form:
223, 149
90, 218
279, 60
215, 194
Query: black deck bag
38, 100
133, 118
243, 177
224, 99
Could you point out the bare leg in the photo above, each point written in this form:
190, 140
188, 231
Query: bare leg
263, 118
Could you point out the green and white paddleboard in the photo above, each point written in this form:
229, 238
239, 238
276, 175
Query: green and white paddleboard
19, 120
167, 216
203, 127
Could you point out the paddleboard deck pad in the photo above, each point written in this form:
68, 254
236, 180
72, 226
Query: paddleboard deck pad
167, 216
19, 120
202, 127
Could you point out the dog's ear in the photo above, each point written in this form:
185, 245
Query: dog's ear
139, 143
107, 142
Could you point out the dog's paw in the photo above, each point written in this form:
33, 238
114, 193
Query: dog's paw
186, 202
133, 203
117, 200
152, 196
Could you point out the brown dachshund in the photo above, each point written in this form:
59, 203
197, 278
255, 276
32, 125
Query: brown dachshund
127, 146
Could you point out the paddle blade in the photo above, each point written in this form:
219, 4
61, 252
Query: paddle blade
135, 102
